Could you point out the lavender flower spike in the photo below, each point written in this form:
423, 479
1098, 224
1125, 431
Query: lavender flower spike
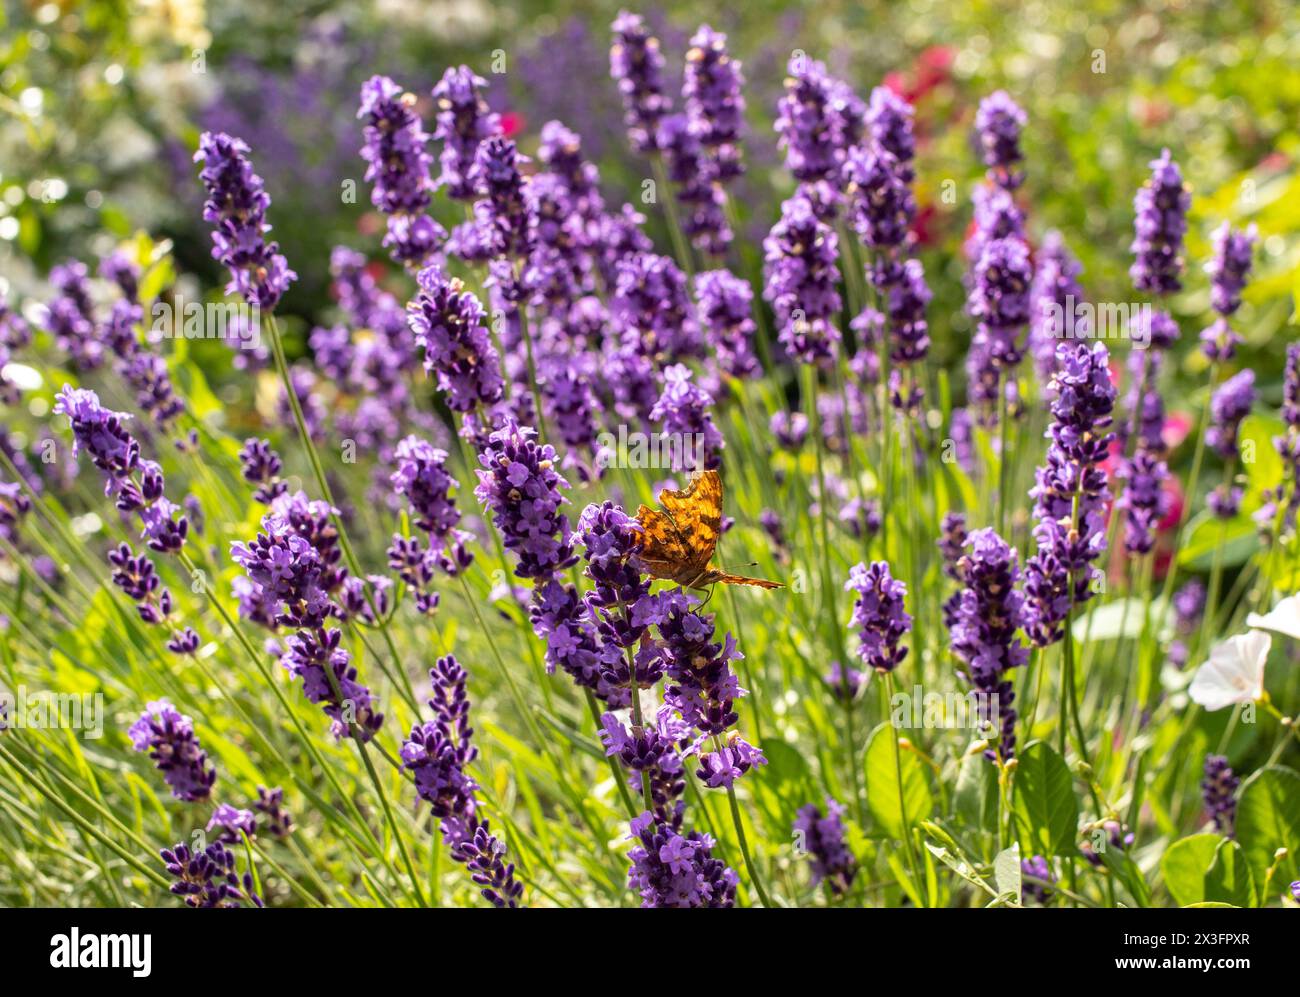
1230, 403
823, 840
802, 276
236, 207
398, 161
521, 488
168, 736
715, 105
450, 326
464, 121
1160, 222
998, 123
1070, 492
208, 878
879, 615
1219, 790
986, 619
670, 869
636, 64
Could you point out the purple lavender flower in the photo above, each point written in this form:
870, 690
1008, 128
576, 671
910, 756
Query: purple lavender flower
988, 613
1057, 296
1144, 500
261, 466
881, 203
652, 753
652, 308
636, 64
208, 878
464, 122
889, 122
906, 296
236, 207
398, 160
1070, 494
1224, 502
1188, 605
704, 219
71, 316
998, 123
1229, 269
683, 412
423, 479
100, 433
270, 804
1040, 869
137, 577
801, 281
670, 869
878, 615
725, 315
715, 105
330, 680
231, 824
448, 323
168, 736
521, 488
823, 840
810, 131
438, 752
1230, 403
1159, 224
620, 604
845, 684
503, 213
789, 428
999, 299
1285, 496
703, 688
1219, 792
561, 617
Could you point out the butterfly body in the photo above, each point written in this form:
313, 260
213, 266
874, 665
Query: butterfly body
677, 544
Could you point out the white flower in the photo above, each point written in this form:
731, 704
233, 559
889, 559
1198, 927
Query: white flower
1283, 619
1234, 673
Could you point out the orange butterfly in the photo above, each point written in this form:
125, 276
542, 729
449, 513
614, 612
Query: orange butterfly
678, 543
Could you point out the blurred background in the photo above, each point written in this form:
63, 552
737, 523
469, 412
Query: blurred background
102, 103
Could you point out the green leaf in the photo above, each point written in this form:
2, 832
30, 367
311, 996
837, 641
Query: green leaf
882, 785
1237, 537
1121, 618
1006, 871
1260, 458
1207, 867
1045, 807
1268, 818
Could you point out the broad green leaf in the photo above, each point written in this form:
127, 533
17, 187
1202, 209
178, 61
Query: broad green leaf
1045, 807
1237, 537
882, 785
1268, 818
1207, 867
1260, 458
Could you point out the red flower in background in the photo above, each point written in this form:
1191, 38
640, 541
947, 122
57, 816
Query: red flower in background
512, 123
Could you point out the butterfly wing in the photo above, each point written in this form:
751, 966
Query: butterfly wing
697, 514
662, 550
